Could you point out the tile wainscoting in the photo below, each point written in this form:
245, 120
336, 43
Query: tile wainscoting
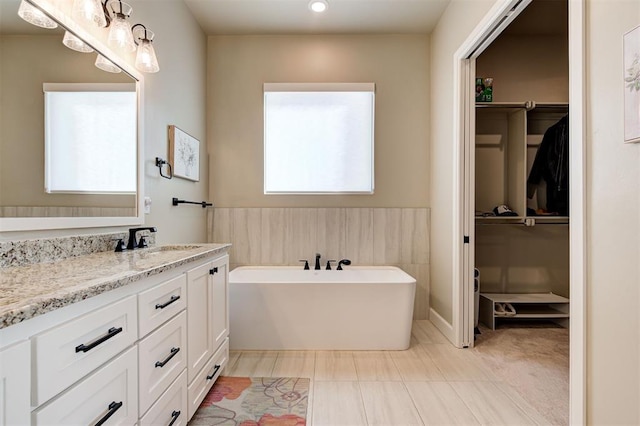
366, 236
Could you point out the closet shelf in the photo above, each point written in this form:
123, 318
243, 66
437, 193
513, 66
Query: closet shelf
528, 105
520, 220
547, 306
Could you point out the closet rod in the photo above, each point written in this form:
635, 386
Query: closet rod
528, 105
520, 223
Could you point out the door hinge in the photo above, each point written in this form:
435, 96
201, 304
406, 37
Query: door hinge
466, 239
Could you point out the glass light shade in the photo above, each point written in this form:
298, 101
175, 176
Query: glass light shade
106, 65
73, 42
35, 16
120, 35
89, 11
146, 60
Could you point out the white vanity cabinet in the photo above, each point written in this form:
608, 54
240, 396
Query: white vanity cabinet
122, 357
208, 327
15, 375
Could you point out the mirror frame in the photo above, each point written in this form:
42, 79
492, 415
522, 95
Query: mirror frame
8, 224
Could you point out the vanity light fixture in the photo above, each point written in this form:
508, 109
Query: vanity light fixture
73, 42
90, 11
318, 6
146, 60
106, 65
120, 35
35, 16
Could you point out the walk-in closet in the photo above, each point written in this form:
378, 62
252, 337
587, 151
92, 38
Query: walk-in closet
522, 171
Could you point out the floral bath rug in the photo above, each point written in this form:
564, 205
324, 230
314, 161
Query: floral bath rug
254, 401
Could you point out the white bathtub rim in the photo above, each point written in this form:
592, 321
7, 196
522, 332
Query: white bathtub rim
400, 276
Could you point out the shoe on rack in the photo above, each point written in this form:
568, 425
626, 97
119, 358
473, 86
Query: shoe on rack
499, 310
509, 310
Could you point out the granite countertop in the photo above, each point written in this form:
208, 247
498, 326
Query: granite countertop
32, 290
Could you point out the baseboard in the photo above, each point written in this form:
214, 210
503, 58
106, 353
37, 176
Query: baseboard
442, 325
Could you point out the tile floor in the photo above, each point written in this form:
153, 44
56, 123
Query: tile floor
430, 383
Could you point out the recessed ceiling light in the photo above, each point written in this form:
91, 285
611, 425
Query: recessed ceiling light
318, 5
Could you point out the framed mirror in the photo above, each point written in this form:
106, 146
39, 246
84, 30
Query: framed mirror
34, 60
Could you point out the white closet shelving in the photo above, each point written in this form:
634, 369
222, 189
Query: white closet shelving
527, 306
522, 265
507, 138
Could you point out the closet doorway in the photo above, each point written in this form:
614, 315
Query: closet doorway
497, 148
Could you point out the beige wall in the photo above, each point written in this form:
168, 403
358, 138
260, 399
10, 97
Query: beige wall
397, 64
613, 223
455, 25
527, 68
28, 62
380, 236
175, 95
613, 204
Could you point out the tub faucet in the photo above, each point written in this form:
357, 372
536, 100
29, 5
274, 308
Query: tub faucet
346, 262
317, 268
131, 244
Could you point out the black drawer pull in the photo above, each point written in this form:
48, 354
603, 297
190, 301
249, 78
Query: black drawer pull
213, 270
113, 407
86, 348
174, 417
215, 370
173, 353
167, 303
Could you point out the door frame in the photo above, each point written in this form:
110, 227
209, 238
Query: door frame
500, 15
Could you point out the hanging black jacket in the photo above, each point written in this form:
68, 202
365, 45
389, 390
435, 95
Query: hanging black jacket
552, 165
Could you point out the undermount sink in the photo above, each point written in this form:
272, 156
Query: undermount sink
178, 247
167, 249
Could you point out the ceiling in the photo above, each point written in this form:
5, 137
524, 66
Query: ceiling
542, 17
294, 17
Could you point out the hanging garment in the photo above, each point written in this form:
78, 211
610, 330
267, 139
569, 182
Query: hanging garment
552, 165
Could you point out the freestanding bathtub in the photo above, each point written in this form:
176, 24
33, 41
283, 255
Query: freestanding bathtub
359, 308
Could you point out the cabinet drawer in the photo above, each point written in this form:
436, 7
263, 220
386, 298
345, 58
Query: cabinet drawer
163, 356
171, 407
110, 393
206, 377
160, 303
70, 351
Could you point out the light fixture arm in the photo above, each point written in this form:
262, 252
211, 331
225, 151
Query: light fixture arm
119, 12
135, 38
107, 15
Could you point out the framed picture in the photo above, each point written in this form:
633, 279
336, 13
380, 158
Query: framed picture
631, 55
184, 154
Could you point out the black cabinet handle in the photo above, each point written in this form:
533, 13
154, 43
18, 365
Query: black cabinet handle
167, 303
213, 270
86, 348
174, 417
215, 370
113, 407
173, 353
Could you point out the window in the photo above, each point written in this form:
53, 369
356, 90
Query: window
90, 138
318, 138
